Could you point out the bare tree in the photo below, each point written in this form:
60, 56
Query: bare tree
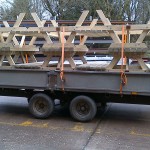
65, 9
19, 6
37, 6
129, 10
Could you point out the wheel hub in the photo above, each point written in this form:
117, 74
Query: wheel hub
83, 108
41, 105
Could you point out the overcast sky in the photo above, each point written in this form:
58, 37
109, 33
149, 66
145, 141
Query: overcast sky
1, 1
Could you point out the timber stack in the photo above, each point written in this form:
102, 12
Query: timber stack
13, 44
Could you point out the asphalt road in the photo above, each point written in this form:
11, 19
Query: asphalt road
120, 127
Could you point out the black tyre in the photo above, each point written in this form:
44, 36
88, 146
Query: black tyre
41, 106
83, 108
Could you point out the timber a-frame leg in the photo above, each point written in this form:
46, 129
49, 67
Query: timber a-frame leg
142, 64
11, 37
1, 59
83, 59
16, 57
10, 60
113, 63
47, 60
60, 63
2, 38
114, 37
71, 62
23, 57
140, 40
93, 23
40, 24
73, 34
14, 38
31, 55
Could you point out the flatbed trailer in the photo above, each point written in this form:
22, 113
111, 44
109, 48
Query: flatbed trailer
84, 87
84, 90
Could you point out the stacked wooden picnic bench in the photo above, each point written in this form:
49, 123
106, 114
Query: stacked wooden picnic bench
13, 43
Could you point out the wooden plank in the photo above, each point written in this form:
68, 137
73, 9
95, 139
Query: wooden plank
43, 22
59, 63
6, 24
142, 64
2, 38
93, 23
9, 38
40, 24
17, 24
23, 57
59, 33
37, 19
25, 48
71, 62
71, 37
103, 18
113, 63
82, 18
1, 59
54, 47
80, 48
79, 23
129, 46
10, 60
114, 36
16, 57
6, 45
143, 35
33, 40
54, 23
78, 29
19, 19
35, 37
47, 38
97, 33
14, 38
32, 57
46, 61
22, 41
83, 59
135, 29
106, 21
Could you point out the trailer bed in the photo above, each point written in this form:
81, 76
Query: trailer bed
75, 80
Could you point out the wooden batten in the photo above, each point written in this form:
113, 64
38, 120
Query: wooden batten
5, 46
26, 48
81, 48
57, 47
128, 47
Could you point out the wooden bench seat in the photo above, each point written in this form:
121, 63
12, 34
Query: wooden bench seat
8, 49
28, 50
131, 51
55, 50
92, 67
129, 48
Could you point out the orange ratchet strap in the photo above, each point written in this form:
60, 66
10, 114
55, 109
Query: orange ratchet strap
123, 75
62, 57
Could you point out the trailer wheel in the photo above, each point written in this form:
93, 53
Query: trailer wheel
41, 106
83, 108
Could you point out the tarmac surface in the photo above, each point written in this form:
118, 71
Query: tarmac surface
119, 127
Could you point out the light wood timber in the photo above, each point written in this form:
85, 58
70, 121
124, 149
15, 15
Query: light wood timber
143, 35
